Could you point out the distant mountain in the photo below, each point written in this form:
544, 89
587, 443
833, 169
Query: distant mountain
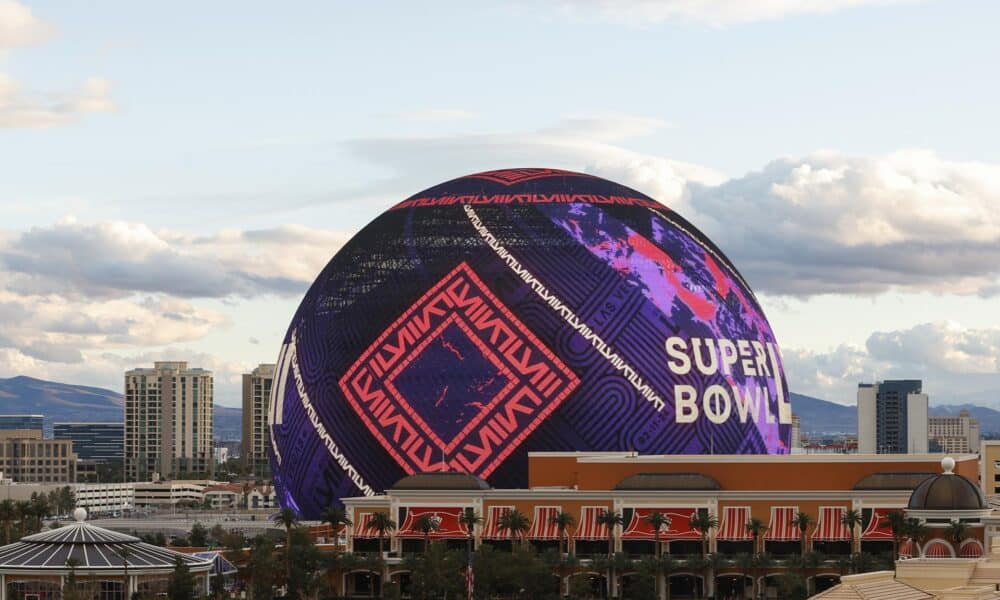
824, 417
989, 419
61, 402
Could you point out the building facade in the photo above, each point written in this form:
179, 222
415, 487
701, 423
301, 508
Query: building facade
105, 498
168, 421
27, 458
99, 442
954, 434
21, 422
166, 494
256, 436
892, 417
733, 488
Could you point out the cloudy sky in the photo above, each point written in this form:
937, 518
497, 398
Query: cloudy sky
173, 175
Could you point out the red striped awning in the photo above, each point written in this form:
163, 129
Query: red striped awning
363, 526
679, 529
588, 528
734, 524
782, 527
908, 549
970, 549
542, 527
492, 529
447, 518
937, 549
878, 526
830, 527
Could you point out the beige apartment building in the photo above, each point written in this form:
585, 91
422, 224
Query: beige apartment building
27, 458
168, 421
256, 437
954, 434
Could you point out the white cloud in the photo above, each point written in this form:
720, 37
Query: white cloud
708, 12
579, 143
831, 223
114, 259
432, 114
20, 109
19, 27
956, 363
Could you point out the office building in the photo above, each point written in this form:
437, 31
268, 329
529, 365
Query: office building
99, 442
954, 434
168, 421
27, 458
256, 437
8, 422
892, 417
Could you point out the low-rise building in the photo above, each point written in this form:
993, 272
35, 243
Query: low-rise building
263, 496
27, 458
166, 494
224, 496
105, 498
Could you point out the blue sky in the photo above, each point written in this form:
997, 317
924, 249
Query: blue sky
157, 160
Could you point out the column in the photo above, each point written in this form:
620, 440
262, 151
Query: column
3, 587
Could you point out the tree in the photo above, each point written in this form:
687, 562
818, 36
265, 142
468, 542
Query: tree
337, 518
516, 524
124, 553
956, 532
469, 519
802, 521
71, 588
288, 519
563, 521
756, 528
437, 573
260, 568
307, 568
703, 523
199, 535
611, 519
381, 523
852, 518
181, 585
657, 520
8, 514
897, 524
427, 524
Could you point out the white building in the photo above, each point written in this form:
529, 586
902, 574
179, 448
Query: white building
165, 494
892, 417
224, 496
262, 497
105, 498
955, 434
168, 421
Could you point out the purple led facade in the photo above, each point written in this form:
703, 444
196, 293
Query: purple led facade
516, 311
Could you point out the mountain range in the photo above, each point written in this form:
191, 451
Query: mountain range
66, 402
61, 402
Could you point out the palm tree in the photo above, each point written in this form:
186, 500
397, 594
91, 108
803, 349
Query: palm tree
427, 524
657, 520
956, 531
611, 519
470, 519
8, 514
563, 521
124, 553
516, 523
287, 518
852, 519
336, 517
756, 528
897, 524
802, 520
381, 523
703, 523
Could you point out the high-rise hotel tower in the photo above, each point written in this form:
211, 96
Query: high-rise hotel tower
168, 422
256, 437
